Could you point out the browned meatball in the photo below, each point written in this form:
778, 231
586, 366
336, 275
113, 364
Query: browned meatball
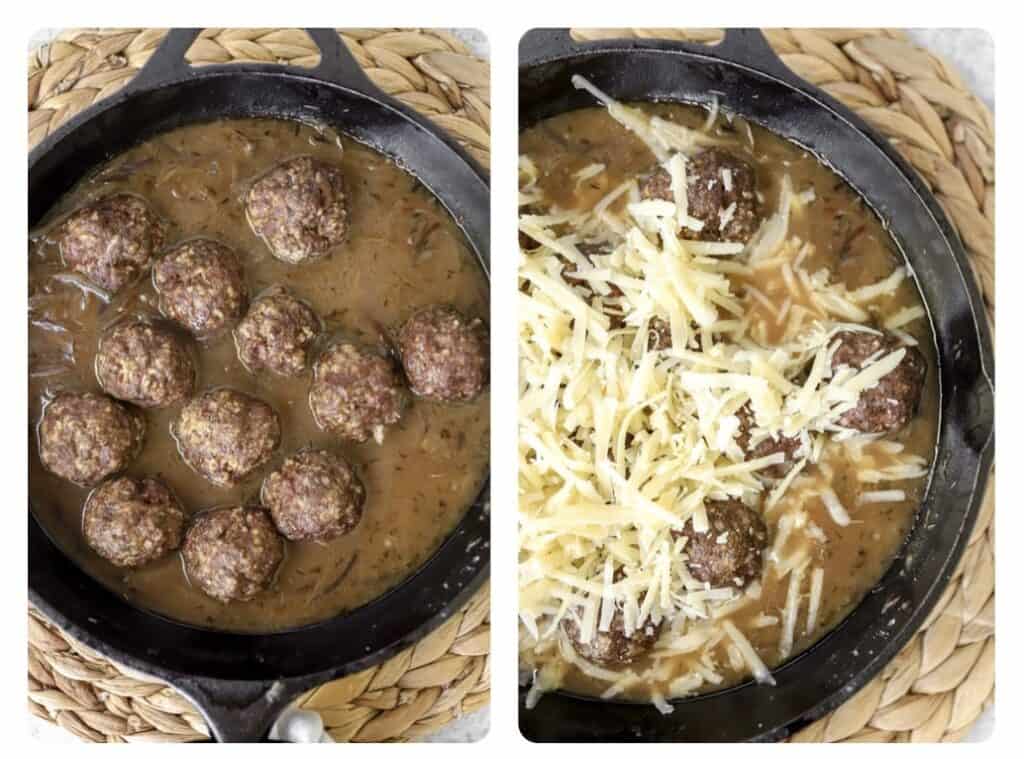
356, 392
788, 446
201, 286
131, 522
300, 209
716, 180
145, 364
892, 403
444, 354
232, 554
314, 495
729, 552
226, 435
613, 648
277, 334
86, 437
111, 241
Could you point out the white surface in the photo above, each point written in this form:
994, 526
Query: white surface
970, 51
470, 728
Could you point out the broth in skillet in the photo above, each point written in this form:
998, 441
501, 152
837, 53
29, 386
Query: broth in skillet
402, 253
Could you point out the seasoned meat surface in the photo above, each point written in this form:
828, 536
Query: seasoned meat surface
225, 435
717, 181
356, 392
201, 286
729, 552
444, 354
86, 437
131, 522
112, 240
613, 647
145, 363
766, 446
892, 403
277, 334
300, 209
314, 495
232, 554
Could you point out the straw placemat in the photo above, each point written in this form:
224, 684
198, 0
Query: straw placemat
939, 684
444, 676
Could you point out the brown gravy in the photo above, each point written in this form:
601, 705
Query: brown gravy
403, 252
851, 242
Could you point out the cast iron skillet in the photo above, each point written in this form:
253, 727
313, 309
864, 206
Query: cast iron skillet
241, 682
751, 81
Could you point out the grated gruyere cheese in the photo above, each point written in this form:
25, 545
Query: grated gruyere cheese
620, 445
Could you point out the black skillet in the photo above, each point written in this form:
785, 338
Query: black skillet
751, 81
240, 682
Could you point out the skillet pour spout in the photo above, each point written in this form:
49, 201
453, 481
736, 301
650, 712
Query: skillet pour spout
744, 76
242, 682
238, 711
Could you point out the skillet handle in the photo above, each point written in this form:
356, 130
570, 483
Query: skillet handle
746, 47
237, 711
167, 63
337, 65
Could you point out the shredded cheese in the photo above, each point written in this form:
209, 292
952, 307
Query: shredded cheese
621, 444
756, 664
835, 509
588, 172
814, 605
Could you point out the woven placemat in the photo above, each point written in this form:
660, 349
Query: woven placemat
447, 674
939, 684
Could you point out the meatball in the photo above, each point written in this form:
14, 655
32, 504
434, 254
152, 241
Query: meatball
716, 181
356, 392
131, 522
145, 364
225, 435
892, 403
232, 554
444, 354
86, 437
613, 648
788, 446
201, 286
111, 241
314, 495
729, 552
277, 334
300, 209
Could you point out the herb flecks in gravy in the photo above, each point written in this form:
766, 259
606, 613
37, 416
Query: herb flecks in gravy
402, 253
622, 434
